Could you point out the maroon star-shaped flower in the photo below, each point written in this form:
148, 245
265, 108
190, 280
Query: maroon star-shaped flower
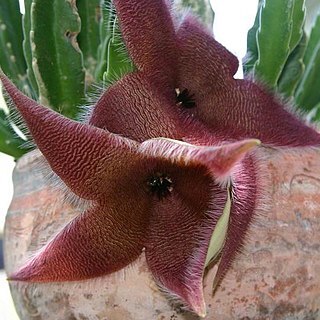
184, 87
148, 191
162, 195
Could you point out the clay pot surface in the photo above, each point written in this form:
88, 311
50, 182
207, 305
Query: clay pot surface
276, 277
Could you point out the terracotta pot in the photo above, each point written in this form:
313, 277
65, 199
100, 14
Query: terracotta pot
277, 276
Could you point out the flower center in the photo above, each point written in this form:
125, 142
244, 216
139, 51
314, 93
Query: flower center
184, 98
160, 185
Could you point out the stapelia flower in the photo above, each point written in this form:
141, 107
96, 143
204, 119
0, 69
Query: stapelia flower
162, 195
184, 89
149, 191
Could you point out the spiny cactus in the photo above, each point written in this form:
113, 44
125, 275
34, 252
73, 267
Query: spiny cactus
56, 57
11, 53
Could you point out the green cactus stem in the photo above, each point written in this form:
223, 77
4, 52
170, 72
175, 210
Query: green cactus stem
293, 70
105, 36
279, 33
56, 57
118, 60
10, 143
114, 60
88, 38
308, 94
27, 48
11, 54
252, 47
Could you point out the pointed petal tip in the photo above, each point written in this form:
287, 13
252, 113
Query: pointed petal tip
25, 274
239, 149
231, 154
248, 144
22, 102
221, 160
16, 276
6, 82
198, 306
193, 296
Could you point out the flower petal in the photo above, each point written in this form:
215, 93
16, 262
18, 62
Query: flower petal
148, 32
235, 109
98, 242
182, 223
243, 110
204, 64
180, 230
245, 198
220, 160
83, 156
135, 107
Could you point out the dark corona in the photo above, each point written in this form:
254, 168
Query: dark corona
160, 185
185, 99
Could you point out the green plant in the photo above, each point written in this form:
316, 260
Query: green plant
283, 51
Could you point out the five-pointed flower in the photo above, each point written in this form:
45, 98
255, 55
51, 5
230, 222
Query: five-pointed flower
162, 195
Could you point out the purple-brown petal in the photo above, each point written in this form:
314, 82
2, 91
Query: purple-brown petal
180, 229
219, 160
204, 64
83, 156
246, 196
137, 108
244, 110
183, 220
226, 157
100, 241
235, 109
148, 31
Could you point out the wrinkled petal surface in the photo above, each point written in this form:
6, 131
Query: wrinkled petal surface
98, 242
83, 156
149, 37
179, 233
166, 196
204, 64
182, 224
236, 109
135, 108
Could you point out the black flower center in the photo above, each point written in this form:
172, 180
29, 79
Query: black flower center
160, 185
185, 99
